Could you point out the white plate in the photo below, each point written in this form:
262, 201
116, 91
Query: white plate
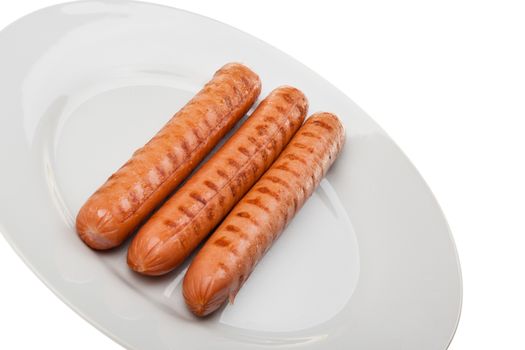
368, 263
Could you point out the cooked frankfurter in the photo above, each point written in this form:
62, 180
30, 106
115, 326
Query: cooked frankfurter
176, 229
231, 253
132, 193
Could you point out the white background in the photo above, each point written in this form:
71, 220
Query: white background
446, 79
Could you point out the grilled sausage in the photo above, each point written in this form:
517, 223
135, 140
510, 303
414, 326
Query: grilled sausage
176, 229
231, 253
130, 194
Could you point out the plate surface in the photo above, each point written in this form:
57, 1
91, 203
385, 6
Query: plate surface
368, 263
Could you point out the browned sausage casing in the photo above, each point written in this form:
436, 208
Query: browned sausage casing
176, 229
130, 194
229, 256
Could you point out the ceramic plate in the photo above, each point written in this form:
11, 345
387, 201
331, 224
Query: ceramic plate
368, 263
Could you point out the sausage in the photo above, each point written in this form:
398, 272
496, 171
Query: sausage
130, 194
176, 229
231, 253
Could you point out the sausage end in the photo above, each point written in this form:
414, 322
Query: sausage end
150, 256
96, 227
203, 295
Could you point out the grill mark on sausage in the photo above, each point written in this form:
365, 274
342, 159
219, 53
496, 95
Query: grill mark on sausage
243, 236
254, 168
273, 144
264, 154
283, 132
134, 199
236, 90
301, 108
221, 200
287, 98
260, 239
146, 186
244, 174
292, 156
222, 174
233, 163
198, 198
122, 211
310, 134
223, 267
299, 145
246, 215
222, 242
317, 160
284, 167
303, 146
253, 252
172, 158
244, 151
323, 125
257, 202
186, 212
170, 223
261, 129
182, 243
266, 190
278, 180
211, 185
232, 228
209, 213
292, 123
195, 133
185, 148
160, 171
269, 119
254, 141
233, 189
245, 81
